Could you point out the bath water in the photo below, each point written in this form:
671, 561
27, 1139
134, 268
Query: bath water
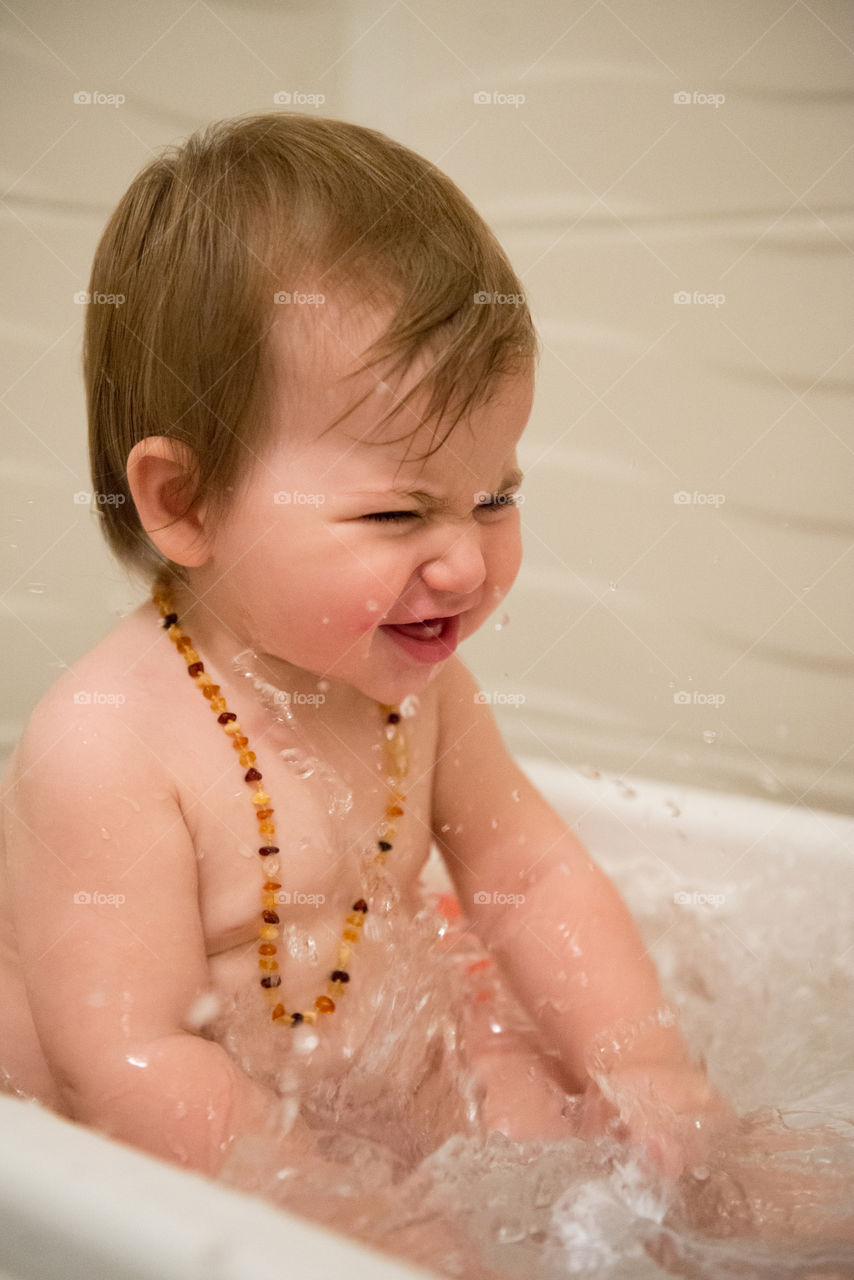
762, 973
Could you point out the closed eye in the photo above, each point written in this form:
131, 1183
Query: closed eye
387, 516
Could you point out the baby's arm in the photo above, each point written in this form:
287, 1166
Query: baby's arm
111, 982
570, 949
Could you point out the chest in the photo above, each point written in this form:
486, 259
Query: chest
329, 794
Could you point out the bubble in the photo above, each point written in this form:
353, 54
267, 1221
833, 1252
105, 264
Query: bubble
372, 606
409, 706
710, 735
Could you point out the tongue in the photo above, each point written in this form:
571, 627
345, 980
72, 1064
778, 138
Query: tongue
427, 630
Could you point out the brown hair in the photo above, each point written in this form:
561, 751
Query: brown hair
205, 236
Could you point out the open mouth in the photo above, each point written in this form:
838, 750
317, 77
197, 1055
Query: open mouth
430, 640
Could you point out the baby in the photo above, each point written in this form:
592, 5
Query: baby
305, 418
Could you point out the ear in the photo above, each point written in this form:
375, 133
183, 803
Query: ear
162, 477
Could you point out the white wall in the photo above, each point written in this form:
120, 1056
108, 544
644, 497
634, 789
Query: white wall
610, 197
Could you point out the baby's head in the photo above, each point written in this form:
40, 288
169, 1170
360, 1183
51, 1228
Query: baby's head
292, 281
209, 241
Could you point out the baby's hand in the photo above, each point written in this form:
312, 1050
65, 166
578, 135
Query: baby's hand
673, 1114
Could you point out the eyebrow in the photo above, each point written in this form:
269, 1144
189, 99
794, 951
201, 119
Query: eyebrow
511, 481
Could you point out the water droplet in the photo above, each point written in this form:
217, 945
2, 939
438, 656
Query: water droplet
409, 705
372, 606
323, 686
105, 835
514, 795
37, 588
505, 618
709, 735
303, 766
510, 1233
612, 586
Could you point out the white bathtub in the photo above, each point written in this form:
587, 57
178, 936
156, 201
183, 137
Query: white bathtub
75, 1204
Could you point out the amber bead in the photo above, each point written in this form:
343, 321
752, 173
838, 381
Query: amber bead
355, 918
266, 828
279, 1012
264, 814
360, 905
240, 741
266, 963
394, 811
270, 917
247, 758
271, 980
265, 852
384, 845
271, 885
340, 975
170, 620
252, 775
324, 1005
226, 717
394, 717
210, 691
196, 668
296, 1018
350, 935
266, 949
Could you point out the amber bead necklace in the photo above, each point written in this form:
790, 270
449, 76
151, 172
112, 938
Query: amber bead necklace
395, 768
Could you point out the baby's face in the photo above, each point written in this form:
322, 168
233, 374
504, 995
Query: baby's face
343, 558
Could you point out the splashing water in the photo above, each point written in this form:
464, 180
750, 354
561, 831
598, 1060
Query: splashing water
403, 1158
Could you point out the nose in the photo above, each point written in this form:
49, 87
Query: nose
459, 567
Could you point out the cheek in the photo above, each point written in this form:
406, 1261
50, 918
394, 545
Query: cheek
506, 557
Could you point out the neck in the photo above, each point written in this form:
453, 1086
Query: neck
232, 652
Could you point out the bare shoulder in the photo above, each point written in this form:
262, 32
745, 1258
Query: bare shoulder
466, 722
98, 714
